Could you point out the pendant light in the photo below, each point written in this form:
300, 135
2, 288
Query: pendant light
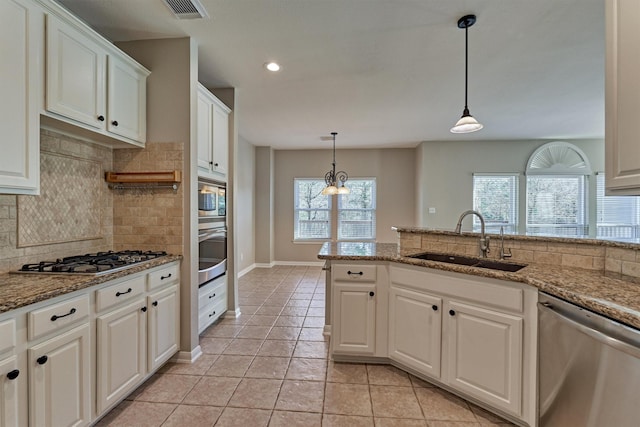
332, 177
467, 123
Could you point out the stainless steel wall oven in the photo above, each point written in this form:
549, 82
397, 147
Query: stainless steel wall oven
212, 231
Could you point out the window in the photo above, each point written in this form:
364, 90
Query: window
312, 210
357, 211
617, 217
495, 196
557, 205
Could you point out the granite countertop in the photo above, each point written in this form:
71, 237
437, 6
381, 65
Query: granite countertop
19, 290
610, 296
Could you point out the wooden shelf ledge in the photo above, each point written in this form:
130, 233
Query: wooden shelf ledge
143, 177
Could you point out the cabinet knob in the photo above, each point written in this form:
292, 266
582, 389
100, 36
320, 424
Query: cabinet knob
42, 360
101, 118
216, 164
434, 307
143, 309
452, 312
155, 303
210, 163
371, 293
115, 123
13, 374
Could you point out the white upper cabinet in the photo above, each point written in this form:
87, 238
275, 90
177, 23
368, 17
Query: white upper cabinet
622, 90
75, 75
93, 85
21, 35
212, 135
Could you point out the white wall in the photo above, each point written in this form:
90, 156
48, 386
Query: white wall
394, 170
245, 206
446, 173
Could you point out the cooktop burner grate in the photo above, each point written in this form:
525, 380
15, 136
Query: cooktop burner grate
94, 264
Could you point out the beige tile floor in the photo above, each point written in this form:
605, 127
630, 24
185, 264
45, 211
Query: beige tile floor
270, 367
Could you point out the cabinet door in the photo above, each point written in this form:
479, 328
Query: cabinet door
622, 97
485, 354
11, 378
164, 328
415, 325
60, 380
75, 75
121, 352
21, 35
204, 129
127, 100
354, 318
220, 139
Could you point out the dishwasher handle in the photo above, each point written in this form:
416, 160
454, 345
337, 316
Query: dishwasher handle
591, 332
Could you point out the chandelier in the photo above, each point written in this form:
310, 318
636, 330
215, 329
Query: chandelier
332, 177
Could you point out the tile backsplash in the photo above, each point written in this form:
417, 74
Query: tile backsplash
76, 211
73, 213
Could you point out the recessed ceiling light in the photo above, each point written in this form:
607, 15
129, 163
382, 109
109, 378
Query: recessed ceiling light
272, 66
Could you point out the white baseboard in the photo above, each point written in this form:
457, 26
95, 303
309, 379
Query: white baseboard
301, 263
232, 313
246, 270
187, 356
264, 265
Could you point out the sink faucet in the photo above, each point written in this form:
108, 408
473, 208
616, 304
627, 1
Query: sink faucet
503, 253
484, 240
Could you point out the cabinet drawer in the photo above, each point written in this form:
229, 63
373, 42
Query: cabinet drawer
56, 316
119, 293
164, 276
212, 294
360, 273
7, 335
209, 314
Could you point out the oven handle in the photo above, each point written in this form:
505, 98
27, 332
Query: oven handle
209, 234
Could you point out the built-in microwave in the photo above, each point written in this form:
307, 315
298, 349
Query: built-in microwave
211, 199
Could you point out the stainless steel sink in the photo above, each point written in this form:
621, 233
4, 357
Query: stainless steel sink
469, 261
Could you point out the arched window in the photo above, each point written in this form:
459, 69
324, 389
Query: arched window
557, 190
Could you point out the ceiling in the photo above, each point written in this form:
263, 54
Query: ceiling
387, 73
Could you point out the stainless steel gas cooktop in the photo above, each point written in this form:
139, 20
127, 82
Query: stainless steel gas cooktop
92, 264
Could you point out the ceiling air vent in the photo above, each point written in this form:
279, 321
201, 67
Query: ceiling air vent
187, 9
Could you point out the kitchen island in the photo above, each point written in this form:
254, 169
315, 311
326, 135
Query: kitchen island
470, 330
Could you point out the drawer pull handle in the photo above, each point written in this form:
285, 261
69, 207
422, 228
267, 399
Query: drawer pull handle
434, 307
353, 273
371, 293
452, 312
165, 277
42, 360
56, 317
212, 314
143, 309
123, 293
155, 303
13, 374
212, 296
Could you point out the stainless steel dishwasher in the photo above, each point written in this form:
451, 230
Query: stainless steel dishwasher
589, 368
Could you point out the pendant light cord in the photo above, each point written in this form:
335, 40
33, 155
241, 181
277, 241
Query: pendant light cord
466, 65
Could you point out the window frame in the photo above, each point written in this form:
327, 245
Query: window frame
617, 230
373, 210
297, 210
494, 226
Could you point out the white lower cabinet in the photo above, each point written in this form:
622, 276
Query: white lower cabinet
121, 352
163, 318
10, 379
415, 328
60, 380
473, 335
354, 318
212, 302
485, 354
